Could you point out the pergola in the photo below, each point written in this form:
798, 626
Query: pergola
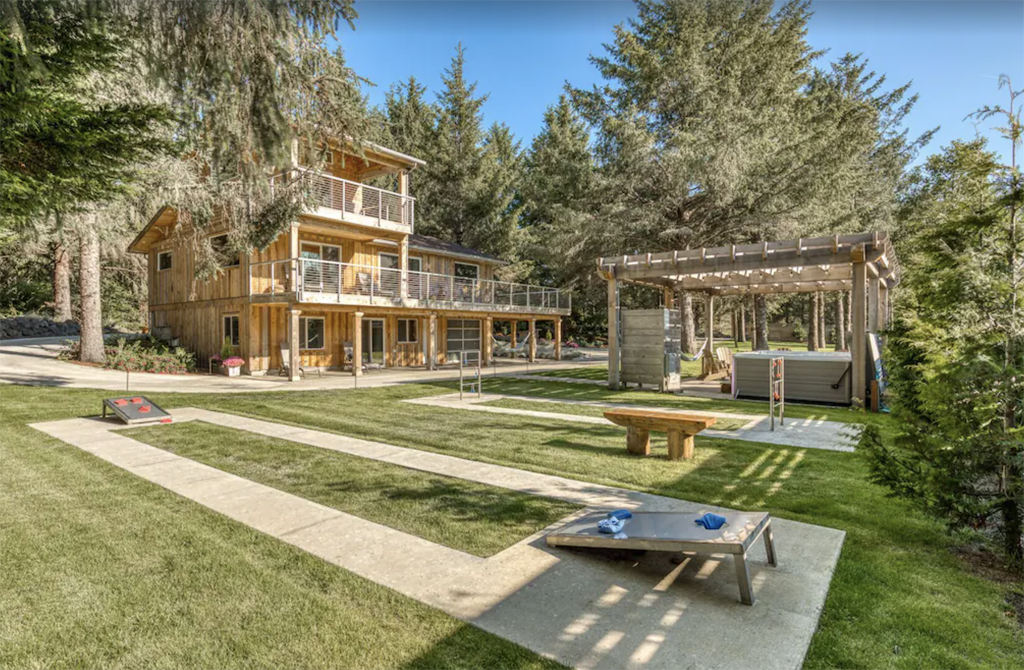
864, 264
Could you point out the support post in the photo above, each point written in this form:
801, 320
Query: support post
883, 307
513, 335
293, 344
293, 255
488, 339
558, 338
613, 333
253, 338
859, 344
357, 344
533, 340
872, 307
432, 342
666, 297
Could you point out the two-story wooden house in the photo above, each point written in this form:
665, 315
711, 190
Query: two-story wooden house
349, 281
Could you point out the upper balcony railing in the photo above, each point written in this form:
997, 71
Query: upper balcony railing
359, 203
330, 281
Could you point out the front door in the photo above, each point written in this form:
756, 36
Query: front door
373, 340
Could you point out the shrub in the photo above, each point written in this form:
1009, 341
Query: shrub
799, 331
139, 355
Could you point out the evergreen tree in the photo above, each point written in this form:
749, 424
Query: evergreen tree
497, 208
955, 351
453, 174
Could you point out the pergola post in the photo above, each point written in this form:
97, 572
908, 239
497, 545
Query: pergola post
613, 333
872, 308
558, 338
859, 343
357, 344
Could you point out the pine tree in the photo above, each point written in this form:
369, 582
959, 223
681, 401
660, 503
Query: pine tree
497, 207
453, 175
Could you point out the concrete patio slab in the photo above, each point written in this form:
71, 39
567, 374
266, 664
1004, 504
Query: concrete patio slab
585, 609
799, 433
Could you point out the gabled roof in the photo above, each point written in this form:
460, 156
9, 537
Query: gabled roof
439, 246
157, 229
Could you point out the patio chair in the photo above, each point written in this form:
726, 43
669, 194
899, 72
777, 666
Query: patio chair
369, 364
286, 364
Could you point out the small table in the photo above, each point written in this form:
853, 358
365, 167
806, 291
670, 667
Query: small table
677, 532
640, 422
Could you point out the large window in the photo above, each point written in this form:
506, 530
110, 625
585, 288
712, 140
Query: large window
389, 261
226, 256
311, 332
231, 329
164, 260
467, 271
407, 331
415, 264
463, 336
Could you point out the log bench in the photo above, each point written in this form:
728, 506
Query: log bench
640, 422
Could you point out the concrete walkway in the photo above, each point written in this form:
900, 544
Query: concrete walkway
582, 609
800, 433
34, 362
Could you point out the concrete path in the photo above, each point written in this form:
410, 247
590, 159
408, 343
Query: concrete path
800, 433
580, 608
34, 362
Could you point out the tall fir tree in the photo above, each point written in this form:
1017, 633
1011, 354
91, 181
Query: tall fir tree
497, 207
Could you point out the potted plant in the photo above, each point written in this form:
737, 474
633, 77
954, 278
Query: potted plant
232, 366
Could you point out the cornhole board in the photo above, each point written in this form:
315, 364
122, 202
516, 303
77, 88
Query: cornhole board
677, 532
135, 409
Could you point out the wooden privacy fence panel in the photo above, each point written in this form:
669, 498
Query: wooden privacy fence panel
650, 348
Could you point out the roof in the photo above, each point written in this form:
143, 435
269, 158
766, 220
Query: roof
412, 161
154, 231
436, 245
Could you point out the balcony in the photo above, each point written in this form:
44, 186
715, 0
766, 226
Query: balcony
315, 281
358, 204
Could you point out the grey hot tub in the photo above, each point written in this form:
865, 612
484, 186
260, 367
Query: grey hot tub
809, 375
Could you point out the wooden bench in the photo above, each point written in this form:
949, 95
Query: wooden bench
640, 422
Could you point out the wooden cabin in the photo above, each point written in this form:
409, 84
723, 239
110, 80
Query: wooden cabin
350, 280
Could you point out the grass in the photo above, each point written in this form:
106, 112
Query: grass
475, 518
587, 410
101, 568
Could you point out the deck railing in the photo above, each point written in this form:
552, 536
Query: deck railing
364, 203
320, 280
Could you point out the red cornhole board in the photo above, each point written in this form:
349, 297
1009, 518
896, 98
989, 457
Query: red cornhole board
135, 410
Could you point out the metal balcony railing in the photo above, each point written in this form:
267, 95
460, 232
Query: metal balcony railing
360, 203
321, 280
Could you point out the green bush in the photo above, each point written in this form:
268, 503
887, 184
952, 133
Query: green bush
140, 355
799, 331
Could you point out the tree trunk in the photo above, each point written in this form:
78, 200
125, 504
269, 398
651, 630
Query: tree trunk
849, 312
61, 282
743, 321
688, 334
1013, 526
812, 322
89, 286
735, 320
761, 306
753, 323
822, 340
840, 321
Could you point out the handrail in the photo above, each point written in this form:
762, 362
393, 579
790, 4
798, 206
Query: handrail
314, 276
369, 203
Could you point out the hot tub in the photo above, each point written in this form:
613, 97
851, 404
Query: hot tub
811, 376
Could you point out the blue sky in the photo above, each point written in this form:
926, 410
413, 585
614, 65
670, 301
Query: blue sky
522, 53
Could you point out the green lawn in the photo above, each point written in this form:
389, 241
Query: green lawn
102, 568
586, 410
475, 518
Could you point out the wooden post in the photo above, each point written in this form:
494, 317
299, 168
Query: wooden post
357, 344
293, 344
403, 182
558, 338
859, 344
533, 340
638, 441
873, 305
840, 321
513, 335
883, 307
293, 255
613, 333
488, 339
252, 345
403, 263
432, 342
666, 297
680, 445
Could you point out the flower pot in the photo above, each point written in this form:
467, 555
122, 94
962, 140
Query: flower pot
231, 372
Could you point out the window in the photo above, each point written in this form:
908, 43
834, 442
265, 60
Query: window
467, 271
407, 331
415, 264
389, 261
231, 329
320, 252
464, 336
227, 257
164, 260
311, 332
